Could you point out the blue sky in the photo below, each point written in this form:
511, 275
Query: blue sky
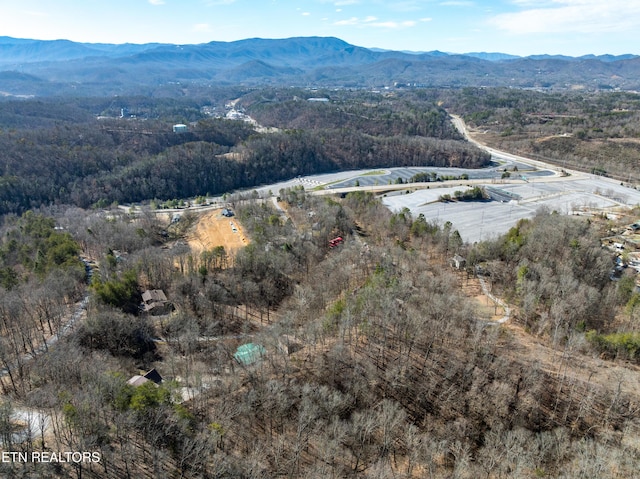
520, 27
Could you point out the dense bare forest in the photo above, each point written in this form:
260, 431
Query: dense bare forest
299, 355
374, 358
130, 153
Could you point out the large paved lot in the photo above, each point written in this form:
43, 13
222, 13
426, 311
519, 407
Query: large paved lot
482, 220
576, 194
390, 176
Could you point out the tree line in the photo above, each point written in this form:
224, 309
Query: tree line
554, 268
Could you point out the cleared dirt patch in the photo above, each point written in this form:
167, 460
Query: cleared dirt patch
213, 229
486, 308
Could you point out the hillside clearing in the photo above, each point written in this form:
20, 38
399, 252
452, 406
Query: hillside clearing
213, 229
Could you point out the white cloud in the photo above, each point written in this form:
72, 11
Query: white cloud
571, 16
201, 27
350, 21
457, 3
390, 25
156, 2
305, 14
373, 22
33, 13
214, 3
534, 3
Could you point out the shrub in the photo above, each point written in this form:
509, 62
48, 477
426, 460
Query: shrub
625, 344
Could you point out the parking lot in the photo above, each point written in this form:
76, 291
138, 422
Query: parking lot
477, 221
390, 176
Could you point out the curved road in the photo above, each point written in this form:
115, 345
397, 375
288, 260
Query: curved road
459, 123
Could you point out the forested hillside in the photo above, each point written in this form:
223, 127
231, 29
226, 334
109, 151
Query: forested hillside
374, 358
83, 152
54, 152
341, 339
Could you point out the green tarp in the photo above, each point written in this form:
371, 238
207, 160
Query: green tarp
249, 353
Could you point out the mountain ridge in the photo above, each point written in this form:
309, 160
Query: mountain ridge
64, 66
112, 49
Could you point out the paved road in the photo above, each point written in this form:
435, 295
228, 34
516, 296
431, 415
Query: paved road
459, 123
578, 193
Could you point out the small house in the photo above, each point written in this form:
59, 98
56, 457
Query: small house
139, 380
154, 376
155, 302
180, 128
336, 242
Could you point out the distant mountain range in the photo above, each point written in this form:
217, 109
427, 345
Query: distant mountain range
59, 67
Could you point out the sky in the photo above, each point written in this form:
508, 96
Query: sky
518, 27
